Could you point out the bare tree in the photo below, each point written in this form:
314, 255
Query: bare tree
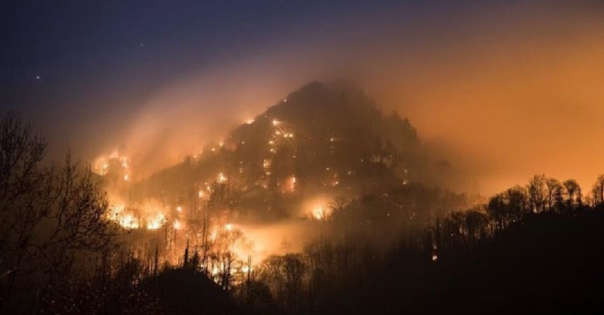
49, 216
573, 193
598, 191
537, 193
554, 191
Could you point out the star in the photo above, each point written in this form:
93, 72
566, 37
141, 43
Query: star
37, 77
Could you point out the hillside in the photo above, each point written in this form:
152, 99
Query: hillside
323, 139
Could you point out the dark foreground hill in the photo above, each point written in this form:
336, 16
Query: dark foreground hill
547, 264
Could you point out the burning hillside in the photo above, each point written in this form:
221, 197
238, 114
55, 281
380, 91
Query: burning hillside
266, 187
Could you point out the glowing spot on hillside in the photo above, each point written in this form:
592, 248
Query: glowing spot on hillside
155, 222
177, 225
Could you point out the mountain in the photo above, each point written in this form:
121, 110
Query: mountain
325, 139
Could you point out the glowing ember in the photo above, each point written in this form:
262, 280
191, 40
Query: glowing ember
177, 225
228, 227
318, 213
126, 177
156, 222
249, 121
276, 122
221, 178
128, 221
318, 208
290, 184
179, 208
266, 163
200, 194
103, 163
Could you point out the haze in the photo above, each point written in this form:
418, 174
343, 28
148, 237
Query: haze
501, 90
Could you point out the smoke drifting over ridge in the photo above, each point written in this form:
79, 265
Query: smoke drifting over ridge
511, 91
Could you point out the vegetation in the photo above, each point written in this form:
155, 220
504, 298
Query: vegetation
391, 248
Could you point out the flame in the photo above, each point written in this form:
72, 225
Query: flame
318, 212
318, 208
177, 225
128, 221
156, 222
266, 163
221, 178
290, 184
102, 164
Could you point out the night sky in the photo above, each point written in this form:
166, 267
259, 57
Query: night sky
113, 49
84, 63
95, 75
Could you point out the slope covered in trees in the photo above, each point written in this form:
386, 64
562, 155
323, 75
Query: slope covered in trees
322, 139
386, 242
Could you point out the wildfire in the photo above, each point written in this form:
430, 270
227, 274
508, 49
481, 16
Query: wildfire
103, 164
318, 212
318, 208
266, 163
156, 222
177, 225
128, 221
221, 178
290, 184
